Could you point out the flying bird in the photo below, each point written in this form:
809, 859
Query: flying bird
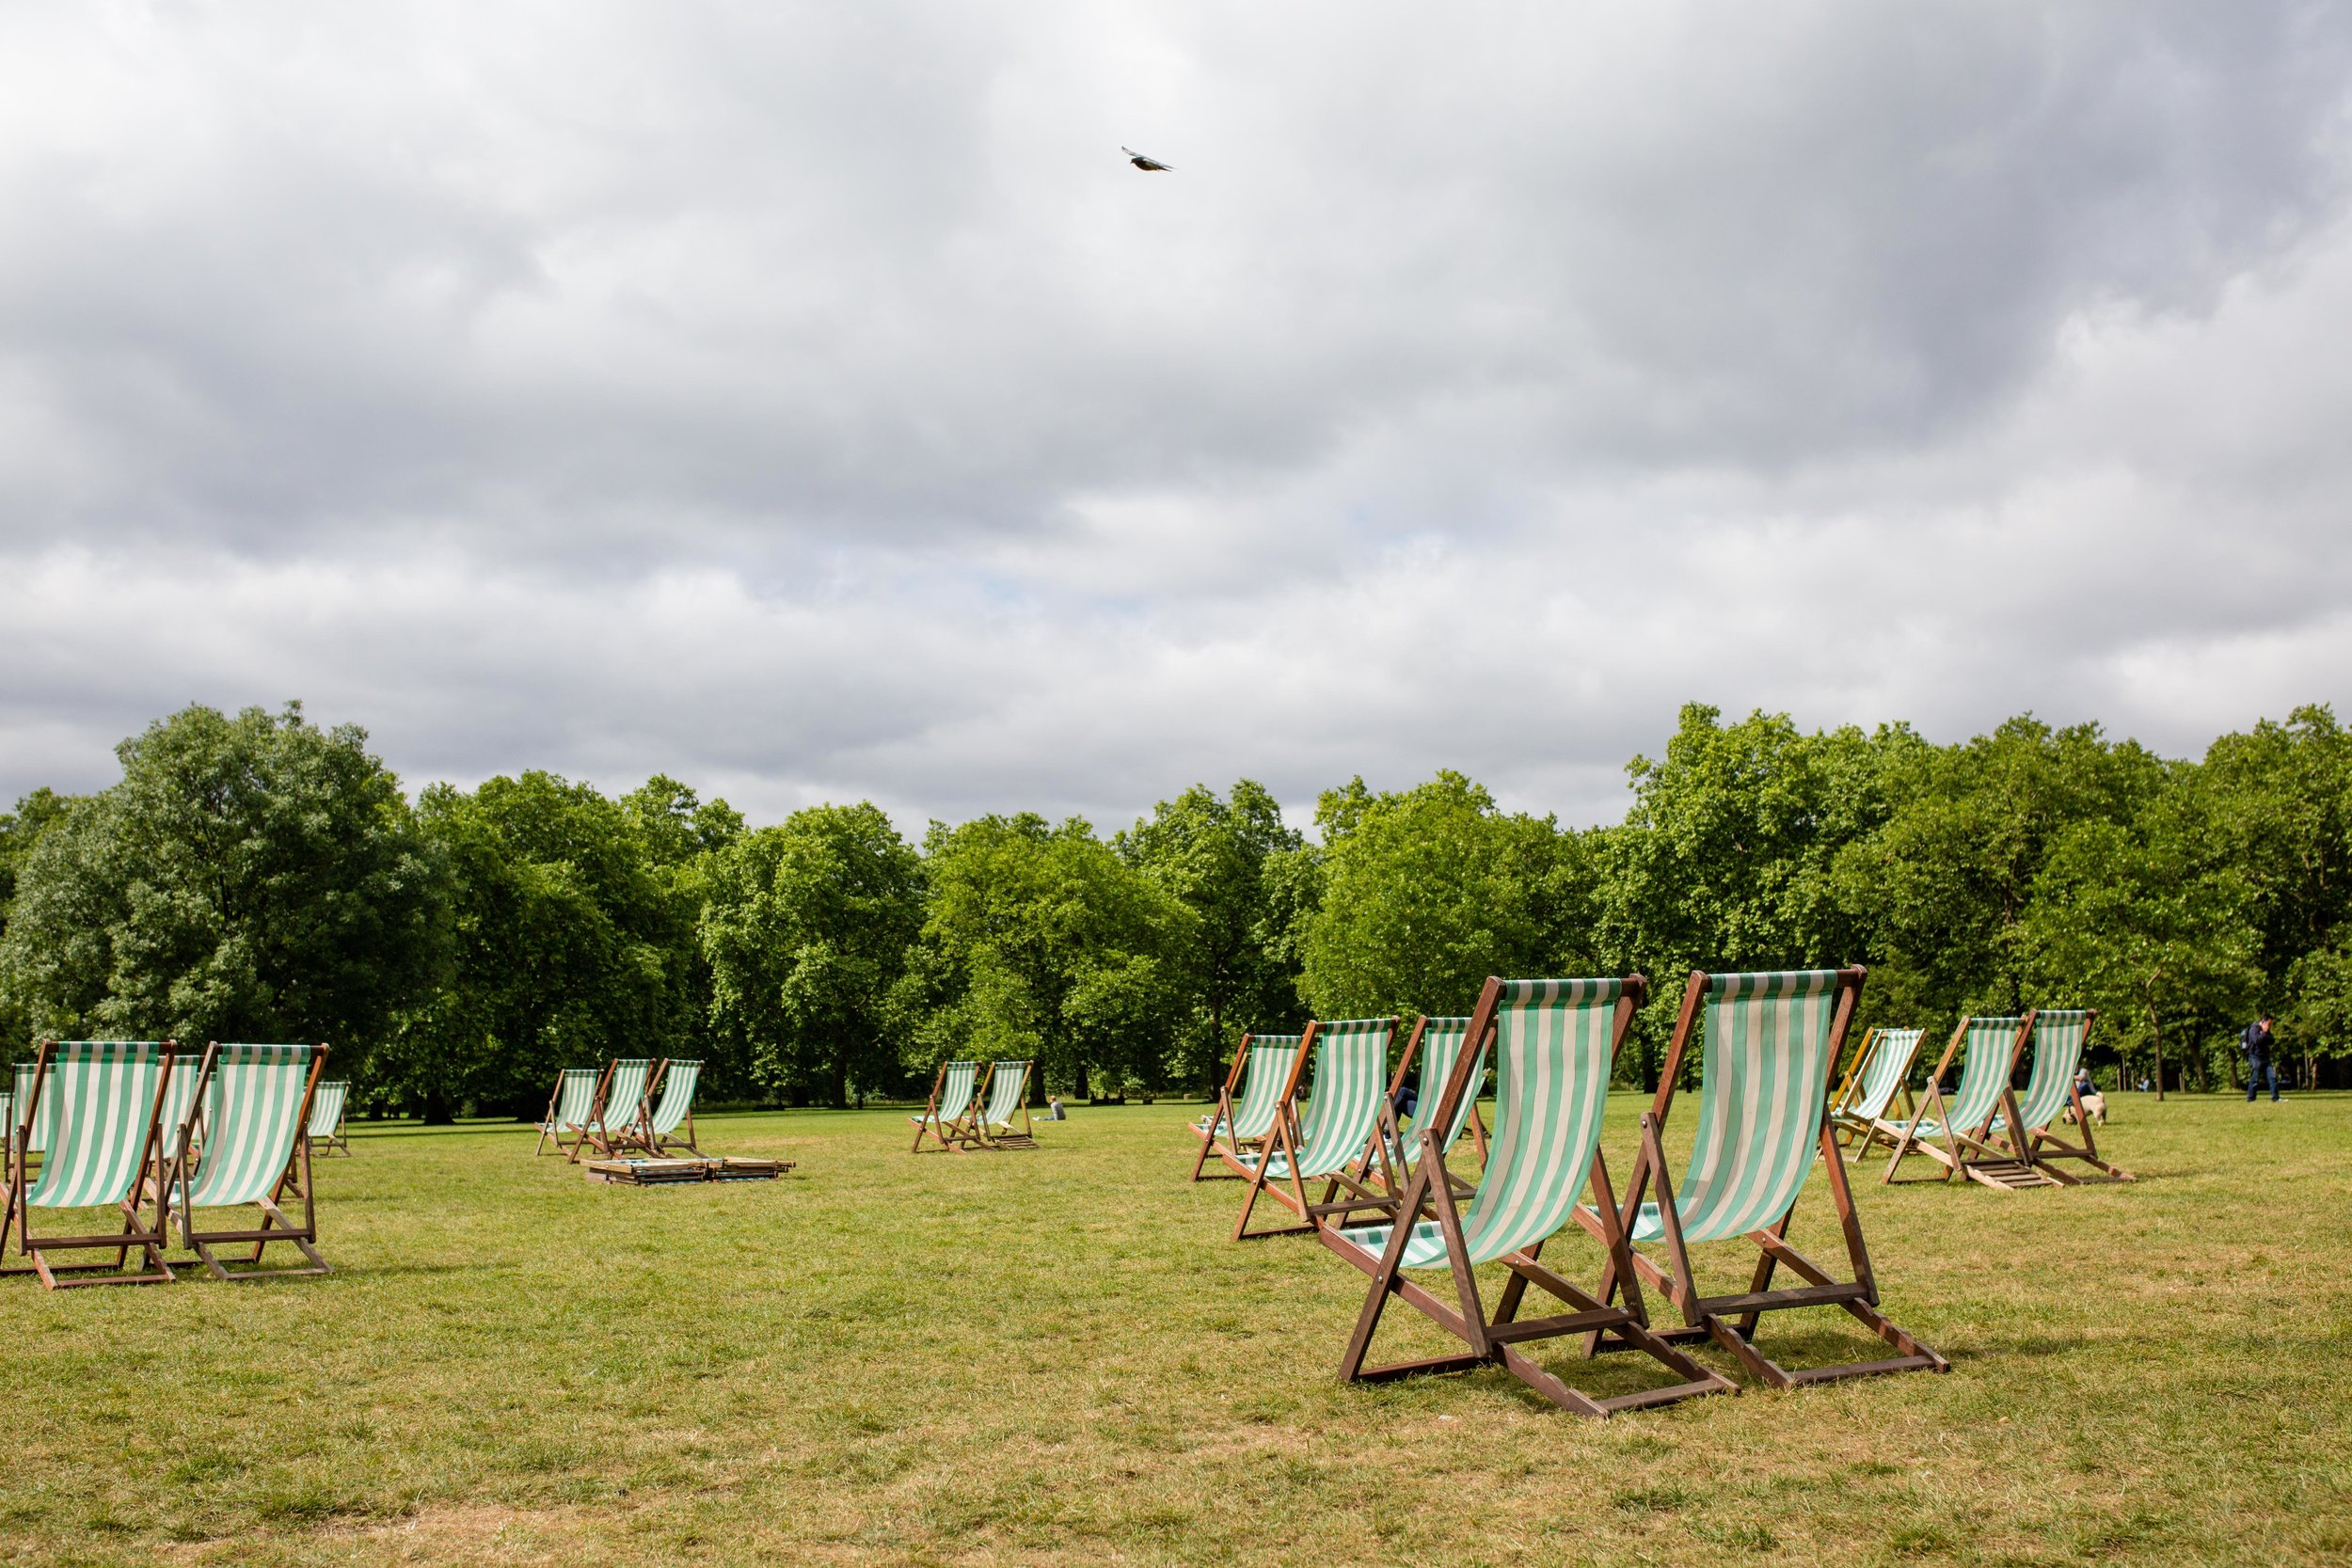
1149, 166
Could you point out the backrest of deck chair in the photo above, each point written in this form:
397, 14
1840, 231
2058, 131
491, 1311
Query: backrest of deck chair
1891, 1054
1270, 1057
44, 1113
625, 1090
1351, 1076
1553, 1045
97, 1102
1441, 1041
677, 1096
955, 1090
327, 1107
1762, 1095
252, 1115
575, 1096
1992, 1044
2057, 1050
179, 1095
1006, 1080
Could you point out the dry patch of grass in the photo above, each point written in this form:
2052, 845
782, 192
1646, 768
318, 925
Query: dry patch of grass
1056, 1357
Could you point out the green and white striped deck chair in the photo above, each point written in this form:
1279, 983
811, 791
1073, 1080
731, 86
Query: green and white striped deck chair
569, 1109
1007, 1097
256, 1108
1237, 1128
1351, 1059
2059, 1035
1554, 1042
1430, 1051
1953, 1130
1883, 1067
97, 1106
675, 1109
612, 1125
1772, 1040
326, 1117
947, 1119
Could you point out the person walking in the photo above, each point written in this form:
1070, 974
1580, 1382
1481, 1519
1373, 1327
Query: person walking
2256, 1041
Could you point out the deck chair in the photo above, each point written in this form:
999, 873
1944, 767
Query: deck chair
1235, 1127
2058, 1037
1351, 1060
326, 1129
947, 1120
1554, 1041
611, 1127
1007, 1094
569, 1109
1859, 1114
1955, 1131
1772, 1040
97, 1107
1432, 1048
674, 1109
255, 1103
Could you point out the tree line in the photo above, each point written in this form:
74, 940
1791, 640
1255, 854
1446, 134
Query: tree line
256, 877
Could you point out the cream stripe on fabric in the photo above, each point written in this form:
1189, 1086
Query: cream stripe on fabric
2057, 1050
1983, 1074
1890, 1058
1005, 1081
252, 1116
103, 1092
1552, 1059
1351, 1075
627, 1091
1762, 1096
955, 1094
578, 1097
327, 1107
677, 1096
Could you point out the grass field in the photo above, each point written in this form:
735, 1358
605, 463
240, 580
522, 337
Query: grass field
1058, 1358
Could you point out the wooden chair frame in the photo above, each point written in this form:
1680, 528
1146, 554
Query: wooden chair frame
1731, 1320
150, 1238
1969, 1152
954, 1135
1027, 1136
275, 1227
1431, 1190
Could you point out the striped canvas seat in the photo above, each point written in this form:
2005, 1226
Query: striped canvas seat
96, 1107
611, 1124
256, 1100
568, 1108
1983, 1074
43, 1114
1553, 1041
2057, 1050
1351, 1075
179, 1096
1008, 1098
947, 1119
1891, 1055
675, 1108
327, 1114
1262, 1088
1441, 1041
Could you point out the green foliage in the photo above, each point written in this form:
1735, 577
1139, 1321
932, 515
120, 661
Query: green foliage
806, 929
253, 877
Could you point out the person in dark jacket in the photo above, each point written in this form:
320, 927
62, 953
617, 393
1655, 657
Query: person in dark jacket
2256, 1039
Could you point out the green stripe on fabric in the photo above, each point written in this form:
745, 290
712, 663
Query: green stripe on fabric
253, 1115
677, 1096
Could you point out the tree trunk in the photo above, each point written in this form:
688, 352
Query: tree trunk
840, 1086
440, 1110
2156, 1030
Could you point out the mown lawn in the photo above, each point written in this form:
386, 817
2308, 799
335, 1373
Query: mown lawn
1058, 1358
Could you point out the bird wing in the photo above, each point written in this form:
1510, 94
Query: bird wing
1144, 163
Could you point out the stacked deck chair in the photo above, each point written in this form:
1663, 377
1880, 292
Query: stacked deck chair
1956, 1130
1772, 1043
326, 1129
1237, 1128
948, 1120
1008, 1095
1554, 1041
1433, 1048
255, 1102
669, 1124
2058, 1037
1351, 1060
97, 1105
612, 1125
1863, 1113
569, 1109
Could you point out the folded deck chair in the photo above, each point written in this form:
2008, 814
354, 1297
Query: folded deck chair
566, 1119
1771, 1041
947, 1118
613, 1118
326, 1129
674, 1109
1554, 1041
1351, 1059
1860, 1112
2058, 1037
97, 1106
1955, 1130
1237, 1127
1007, 1094
255, 1103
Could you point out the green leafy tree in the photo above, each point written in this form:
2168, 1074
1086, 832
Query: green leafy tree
806, 929
254, 878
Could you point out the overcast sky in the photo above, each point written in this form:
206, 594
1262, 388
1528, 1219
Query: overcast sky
809, 402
